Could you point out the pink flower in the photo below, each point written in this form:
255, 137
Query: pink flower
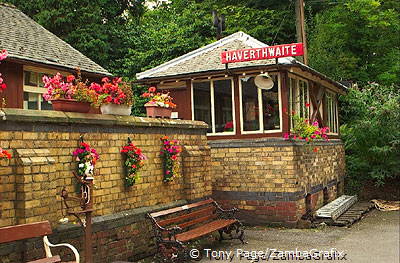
286, 136
167, 171
3, 54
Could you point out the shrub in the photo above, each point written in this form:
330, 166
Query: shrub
371, 134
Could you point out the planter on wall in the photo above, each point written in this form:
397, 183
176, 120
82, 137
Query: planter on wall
115, 109
154, 111
70, 105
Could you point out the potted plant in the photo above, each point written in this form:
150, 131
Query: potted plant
113, 97
159, 104
304, 130
68, 94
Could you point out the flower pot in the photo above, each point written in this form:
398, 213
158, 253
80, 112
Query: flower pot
115, 109
158, 112
70, 105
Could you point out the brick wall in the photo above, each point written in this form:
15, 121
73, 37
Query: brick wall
269, 179
42, 164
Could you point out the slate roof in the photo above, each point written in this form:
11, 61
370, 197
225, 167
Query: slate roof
207, 58
25, 39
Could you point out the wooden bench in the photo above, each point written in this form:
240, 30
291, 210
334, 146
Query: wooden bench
176, 226
40, 229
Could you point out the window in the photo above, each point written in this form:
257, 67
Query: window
260, 107
202, 103
213, 104
299, 99
331, 109
33, 91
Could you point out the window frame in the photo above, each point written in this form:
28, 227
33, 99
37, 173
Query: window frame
212, 105
39, 91
310, 109
260, 107
335, 111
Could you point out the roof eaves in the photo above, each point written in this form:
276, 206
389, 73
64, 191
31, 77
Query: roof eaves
22, 58
321, 75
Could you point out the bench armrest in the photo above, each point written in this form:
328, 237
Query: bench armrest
47, 246
226, 213
158, 230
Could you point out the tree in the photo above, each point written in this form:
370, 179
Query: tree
357, 40
94, 27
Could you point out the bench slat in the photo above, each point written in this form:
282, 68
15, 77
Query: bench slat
205, 229
208, 210
197, 220
53, 259
25, 231
181, 208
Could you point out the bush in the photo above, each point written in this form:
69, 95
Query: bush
371, 134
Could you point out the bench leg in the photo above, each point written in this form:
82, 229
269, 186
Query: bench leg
237, 228
173, 251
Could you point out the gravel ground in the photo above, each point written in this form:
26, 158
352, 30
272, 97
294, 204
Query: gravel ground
375, 239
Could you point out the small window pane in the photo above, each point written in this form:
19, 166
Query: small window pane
250, 107
270, 102
31, 101
31, 78
202, 103
223, 109
45, 105
41, 84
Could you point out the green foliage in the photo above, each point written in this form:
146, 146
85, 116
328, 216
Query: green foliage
357, 40
94, 27
371, 133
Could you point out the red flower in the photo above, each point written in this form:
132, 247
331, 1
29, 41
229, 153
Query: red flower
3, 86
152, 89
315, 149
307, 104
229, 125
70, 78
105, 79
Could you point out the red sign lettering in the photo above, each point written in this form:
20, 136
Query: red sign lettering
279, 51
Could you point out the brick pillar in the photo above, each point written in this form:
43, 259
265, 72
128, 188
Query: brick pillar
196, 165
35, 187
7, 193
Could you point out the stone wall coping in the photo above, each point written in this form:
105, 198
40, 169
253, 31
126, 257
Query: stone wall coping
266, 142
119, 219
59, 117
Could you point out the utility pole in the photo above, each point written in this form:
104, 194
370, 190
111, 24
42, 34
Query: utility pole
300, 28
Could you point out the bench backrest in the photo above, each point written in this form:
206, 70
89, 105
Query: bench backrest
25, 231
186, 216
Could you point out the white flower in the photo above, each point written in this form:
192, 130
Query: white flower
81, 165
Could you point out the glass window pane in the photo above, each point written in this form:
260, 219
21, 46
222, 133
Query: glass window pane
31, 78
270, 102
250, 107
45, 105
202, 103
223, 109
31, 101
41, 84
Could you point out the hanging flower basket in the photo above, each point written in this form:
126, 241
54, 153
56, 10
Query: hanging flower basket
156, 111
169, 153
70, 105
